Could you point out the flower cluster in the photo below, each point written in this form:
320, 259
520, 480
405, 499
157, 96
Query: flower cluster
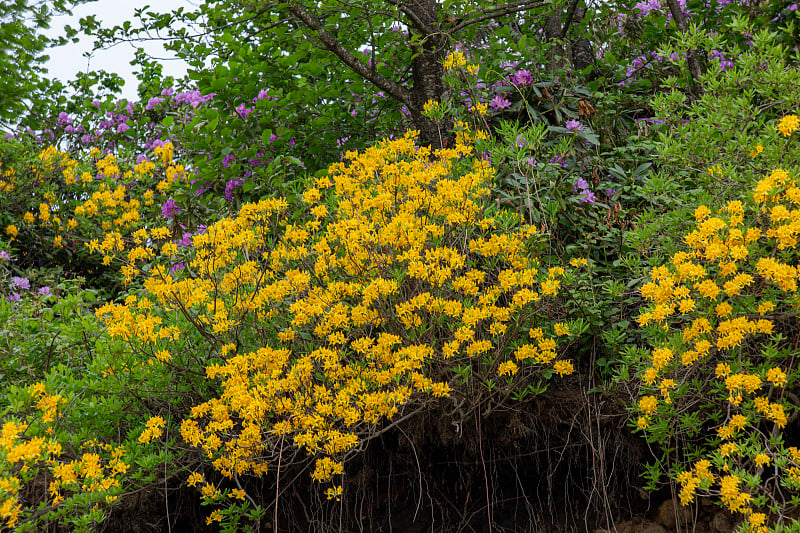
95, 202
29, 448
322, 330
723, 297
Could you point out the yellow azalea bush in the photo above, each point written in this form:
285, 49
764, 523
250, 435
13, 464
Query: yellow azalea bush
718, 384
397, 291
78, 483
90, 202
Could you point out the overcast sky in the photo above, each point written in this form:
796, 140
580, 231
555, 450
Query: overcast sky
66, 61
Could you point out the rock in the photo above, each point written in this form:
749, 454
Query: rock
637, 525
721, 523
669, 511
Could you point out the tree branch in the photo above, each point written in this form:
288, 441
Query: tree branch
417, 22
512, 7
570, 18
333, 45
691, 57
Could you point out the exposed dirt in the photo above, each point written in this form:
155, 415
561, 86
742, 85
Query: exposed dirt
564, 461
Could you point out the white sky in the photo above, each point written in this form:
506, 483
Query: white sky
66, 61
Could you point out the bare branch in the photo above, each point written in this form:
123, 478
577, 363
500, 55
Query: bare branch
691, 58
507, 9
570, 18
416, 21
198, 35
333, 45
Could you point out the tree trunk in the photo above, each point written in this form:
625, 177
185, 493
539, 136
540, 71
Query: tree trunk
552, 30
692, 59
427, 70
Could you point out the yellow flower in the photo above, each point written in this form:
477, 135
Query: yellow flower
727, 449
507, 368
762, 459
334, 493
12, 231
563, 368
154, 429
431, 108
777, 376
788, 125
215, 516
561, 329
766, 307
701, 213
194, 478
455, 60
480, 109
648, 404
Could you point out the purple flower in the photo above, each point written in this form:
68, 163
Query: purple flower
122, 128
13, 297
586, 195
193, 98
499, 102
202, 189
169, 91
44, 291
186, 240
20, 283
647, 6
153, 103
243, 110
4, 255
522, 78
231, 186
226, 160
177, 267
574, 125
263, 93
508, 65
169, 209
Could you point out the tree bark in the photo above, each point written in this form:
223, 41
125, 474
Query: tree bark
692, 58
552, 30
427, 70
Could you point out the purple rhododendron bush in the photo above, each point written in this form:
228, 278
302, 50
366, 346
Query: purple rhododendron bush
492, 267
